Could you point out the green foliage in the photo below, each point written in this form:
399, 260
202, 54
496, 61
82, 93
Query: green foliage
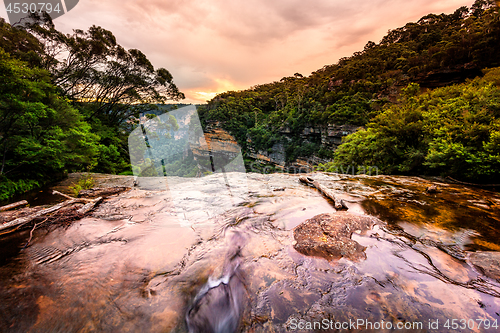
298, 148
85, 183
351, 109
41, 135
68, 102
20, 44
453, 131
109, 160
109, 85
9, 188
90, 66
436, 51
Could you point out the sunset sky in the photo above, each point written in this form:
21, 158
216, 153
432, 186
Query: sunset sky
211, 46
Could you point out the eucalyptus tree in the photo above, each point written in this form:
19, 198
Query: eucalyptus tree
91, 68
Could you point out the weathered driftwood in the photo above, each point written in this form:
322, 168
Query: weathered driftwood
339, 204
89, 204
13, 205
102, 192
17, 213
29, 218
62, 194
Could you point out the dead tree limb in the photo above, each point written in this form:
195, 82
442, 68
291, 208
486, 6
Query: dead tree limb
13, 205
89, 204
339, 203
26, 219
62, 194
31, 232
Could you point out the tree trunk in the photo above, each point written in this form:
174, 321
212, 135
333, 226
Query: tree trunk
89, 204
339, 204
3, 157
13, 205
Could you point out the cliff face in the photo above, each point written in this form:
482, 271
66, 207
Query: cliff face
219, 140
217, 149
330, 136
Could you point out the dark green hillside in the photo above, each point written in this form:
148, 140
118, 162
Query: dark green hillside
437, 51
452, 131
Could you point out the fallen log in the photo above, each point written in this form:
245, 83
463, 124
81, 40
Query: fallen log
102, 192
17, 213
13, 205
54, 192
339, 204
26, 219
89, 204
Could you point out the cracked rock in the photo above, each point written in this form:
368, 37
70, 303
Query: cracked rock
329, 235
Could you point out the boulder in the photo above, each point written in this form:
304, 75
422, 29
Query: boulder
329, 235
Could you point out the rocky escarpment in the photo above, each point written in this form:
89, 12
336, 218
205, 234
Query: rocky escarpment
217, 145
329, 136
448, 76
221, 143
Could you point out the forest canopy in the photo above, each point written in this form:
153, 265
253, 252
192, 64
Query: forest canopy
452, 131
68, 102
436, 52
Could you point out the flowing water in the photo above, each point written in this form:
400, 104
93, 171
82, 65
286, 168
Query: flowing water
134, 266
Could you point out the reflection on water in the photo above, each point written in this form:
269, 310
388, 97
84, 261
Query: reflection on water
134, 266
456, 214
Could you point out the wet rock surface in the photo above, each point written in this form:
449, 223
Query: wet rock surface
135, 264
488, 262
329, 235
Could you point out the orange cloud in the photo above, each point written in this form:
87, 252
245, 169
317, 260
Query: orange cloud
246, 42
219, 86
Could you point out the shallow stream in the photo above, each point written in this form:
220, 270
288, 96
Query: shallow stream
135, 266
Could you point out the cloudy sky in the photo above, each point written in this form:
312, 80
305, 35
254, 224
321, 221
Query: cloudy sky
211, 46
